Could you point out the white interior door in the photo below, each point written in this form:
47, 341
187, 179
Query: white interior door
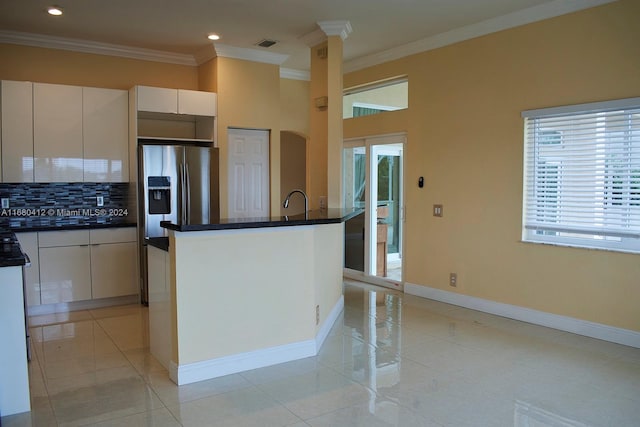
248, 173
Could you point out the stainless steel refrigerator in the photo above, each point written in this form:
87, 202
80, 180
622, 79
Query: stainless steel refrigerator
178, 182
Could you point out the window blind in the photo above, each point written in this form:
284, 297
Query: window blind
582, 175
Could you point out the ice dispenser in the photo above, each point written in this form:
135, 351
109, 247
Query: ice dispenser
159, 194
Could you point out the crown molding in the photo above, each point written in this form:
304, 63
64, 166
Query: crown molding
313, 38
325, 28
84, 46
255, 55
336, 28
205, 54
290, 73
504, 22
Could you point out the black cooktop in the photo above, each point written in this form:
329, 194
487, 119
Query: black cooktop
10, 251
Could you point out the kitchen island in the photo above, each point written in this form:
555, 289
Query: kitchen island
241, 294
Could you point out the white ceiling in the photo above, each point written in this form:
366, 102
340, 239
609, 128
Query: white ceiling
380, 27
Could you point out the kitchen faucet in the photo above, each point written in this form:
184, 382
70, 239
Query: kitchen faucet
306, 200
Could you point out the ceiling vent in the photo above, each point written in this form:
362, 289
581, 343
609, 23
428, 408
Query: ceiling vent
266, 43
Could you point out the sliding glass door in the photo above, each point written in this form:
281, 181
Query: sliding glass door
373, 181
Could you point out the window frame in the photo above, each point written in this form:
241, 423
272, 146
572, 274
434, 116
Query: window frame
374, 86
623, 195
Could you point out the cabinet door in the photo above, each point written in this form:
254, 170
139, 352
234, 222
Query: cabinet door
105, 127
159, 305
65, 274
157, 99
113, 270
17, 131
29, 244
57, 133
197, 103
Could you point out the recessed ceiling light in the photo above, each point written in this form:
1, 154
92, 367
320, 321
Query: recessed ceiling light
55, 11
213, 37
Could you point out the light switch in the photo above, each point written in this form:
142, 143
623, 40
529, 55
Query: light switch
437, 210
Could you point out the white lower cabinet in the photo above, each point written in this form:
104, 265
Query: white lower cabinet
65, 274
80, 265
113, 262
29, 244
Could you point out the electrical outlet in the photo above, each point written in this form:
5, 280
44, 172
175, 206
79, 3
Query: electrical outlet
323, 202
5, 203
100, 200
453, 279
437, 210
317, 315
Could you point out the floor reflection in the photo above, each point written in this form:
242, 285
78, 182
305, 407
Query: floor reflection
390, 360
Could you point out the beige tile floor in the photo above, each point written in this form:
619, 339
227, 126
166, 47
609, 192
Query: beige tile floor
390, 360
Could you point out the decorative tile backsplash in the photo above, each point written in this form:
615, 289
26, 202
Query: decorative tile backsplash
60, 204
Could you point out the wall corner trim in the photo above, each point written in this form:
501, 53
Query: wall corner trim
541, 318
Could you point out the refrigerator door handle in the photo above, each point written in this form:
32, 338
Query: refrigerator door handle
182, 194
188, 193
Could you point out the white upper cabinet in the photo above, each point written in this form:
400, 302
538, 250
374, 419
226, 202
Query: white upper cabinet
17, 131
196, 103
105, 123
57, 133
176, 101
157, 99
174, 113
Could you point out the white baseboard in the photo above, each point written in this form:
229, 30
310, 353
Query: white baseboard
213, 368
555, 321
205, 370
324, 330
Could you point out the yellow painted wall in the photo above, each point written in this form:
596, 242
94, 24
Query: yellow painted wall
82, 69
294, 106
318, 131
465, 136
255, 308
248, 97
293, 173
207, 76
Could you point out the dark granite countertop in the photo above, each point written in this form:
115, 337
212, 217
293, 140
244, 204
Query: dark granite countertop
158, 242
323, 216
10, 251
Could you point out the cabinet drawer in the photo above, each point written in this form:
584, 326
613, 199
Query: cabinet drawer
112, 235
49, 239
